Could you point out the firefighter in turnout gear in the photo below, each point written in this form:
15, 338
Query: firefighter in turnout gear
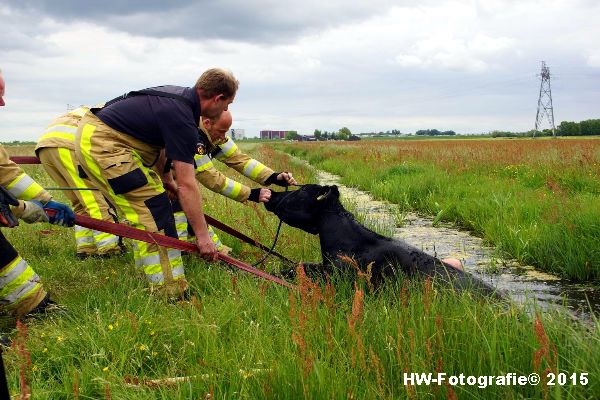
21, 291
56, 151
221, 147
124, 147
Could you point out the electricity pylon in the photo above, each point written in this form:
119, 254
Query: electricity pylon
544, 107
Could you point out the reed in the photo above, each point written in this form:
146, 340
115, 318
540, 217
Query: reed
240, 338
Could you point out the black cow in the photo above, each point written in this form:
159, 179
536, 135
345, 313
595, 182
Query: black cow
316, 209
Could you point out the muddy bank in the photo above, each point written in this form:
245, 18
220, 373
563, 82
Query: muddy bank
523, 283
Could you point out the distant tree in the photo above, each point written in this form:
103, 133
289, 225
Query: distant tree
396, 132
318, 134
344, 133
590, 127
292, 135
567, 128
434, 132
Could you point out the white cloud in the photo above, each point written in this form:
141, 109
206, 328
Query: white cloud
593, 59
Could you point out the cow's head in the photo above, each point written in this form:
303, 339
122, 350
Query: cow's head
302, 208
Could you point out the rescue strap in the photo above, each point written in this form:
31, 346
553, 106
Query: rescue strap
227, 229
166, 241
25, 160
209, 219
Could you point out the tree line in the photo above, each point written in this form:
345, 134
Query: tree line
434, 132
582, 128
565, 128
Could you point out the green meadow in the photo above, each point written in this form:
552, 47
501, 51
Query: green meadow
240, 337
535, 200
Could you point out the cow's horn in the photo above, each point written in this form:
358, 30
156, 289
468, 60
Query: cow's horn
324, 195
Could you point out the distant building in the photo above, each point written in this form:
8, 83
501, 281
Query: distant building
237, 134
273, 134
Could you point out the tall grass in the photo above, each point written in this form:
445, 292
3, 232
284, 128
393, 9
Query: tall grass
536, 200
240, 337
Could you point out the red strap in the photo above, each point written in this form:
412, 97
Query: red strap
25, 160
166, 241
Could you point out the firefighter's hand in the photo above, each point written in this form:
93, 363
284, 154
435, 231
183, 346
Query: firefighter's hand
281, 179
208, 250
32, 211
60, 214
260, 195
285, 179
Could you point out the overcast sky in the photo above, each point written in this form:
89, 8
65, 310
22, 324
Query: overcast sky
466, 65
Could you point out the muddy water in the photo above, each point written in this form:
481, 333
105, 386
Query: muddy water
523, 283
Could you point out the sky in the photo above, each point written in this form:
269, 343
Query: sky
464, 65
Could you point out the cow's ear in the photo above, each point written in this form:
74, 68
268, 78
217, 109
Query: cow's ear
324, 193
335, 191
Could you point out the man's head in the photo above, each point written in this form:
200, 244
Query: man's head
2, 86
216, 89
218, 128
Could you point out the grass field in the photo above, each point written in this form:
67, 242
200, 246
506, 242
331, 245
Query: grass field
243, 338
538, 200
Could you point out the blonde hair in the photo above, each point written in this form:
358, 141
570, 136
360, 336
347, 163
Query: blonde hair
216, 81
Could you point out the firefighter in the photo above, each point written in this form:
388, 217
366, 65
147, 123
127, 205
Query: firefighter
221, 147
124, 148
21, 291
56, 151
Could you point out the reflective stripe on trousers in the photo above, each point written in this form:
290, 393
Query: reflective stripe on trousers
215, 239
105, 241
151, 263
84, 238
182, 232
17, 282
181, 225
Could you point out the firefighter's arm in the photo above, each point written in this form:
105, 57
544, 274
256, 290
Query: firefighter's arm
23, 187
18, 183
217, 182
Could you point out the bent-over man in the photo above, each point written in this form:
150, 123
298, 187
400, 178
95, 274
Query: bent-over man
122, 146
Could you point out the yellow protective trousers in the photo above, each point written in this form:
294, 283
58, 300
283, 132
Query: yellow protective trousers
20, 287
181, 224
62, 166
119, 165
